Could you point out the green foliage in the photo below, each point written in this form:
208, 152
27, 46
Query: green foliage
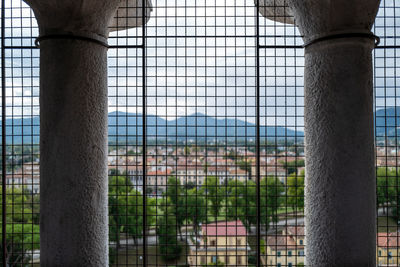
196, 207
387, 191
242, 202
271, 197
132, 153
134, 226
230, 155
115, 172
126, 209
34, 205
190, 185
186, 150
20, 238
252, 260
18, 207
169, 247
245, 165
22, 234
295, 190
262, 246
215, 193
151, 210
292, 166
112, 252
118, 189
217, 264
386, 185
176, 195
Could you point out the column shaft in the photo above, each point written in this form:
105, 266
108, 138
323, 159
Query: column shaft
340, 184
73, 148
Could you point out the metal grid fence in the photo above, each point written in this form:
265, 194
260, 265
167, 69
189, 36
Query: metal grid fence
206, 151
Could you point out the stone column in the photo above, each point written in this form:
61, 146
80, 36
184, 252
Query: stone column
73, 118
340, 193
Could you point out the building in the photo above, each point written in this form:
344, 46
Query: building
73, 106
285, 249
26, 177
224, 242
157, 180
388, 251
190, 174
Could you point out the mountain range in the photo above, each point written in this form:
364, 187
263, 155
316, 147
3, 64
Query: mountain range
123, 126
387, 122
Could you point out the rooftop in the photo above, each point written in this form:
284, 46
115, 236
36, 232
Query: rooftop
232, 228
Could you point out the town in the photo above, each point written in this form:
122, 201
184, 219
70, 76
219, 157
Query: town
201, 203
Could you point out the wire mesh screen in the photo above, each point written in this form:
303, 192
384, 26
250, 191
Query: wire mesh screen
206, 136
386, 64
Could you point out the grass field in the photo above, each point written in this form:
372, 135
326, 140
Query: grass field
386, 224
131, 257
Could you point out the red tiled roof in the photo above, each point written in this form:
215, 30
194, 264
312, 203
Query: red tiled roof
159, 173
233, 228
387, 240
282, 242
296, 230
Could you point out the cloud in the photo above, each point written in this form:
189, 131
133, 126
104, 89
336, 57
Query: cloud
200, 58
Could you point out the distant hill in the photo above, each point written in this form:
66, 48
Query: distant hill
192, 126
387, 122
124, 126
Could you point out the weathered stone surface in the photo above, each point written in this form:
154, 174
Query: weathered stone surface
340, 182
129, 15
73, 146
276, 10
73, 114
319, 17
340, 204
74, 16
85, 16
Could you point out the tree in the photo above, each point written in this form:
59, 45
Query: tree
215, 193
126, 210
34, 206
115, 172
134, 226
190, 185
245, 165
151, 212
18, 207
217, 264
175, 193
196, 207
386, 186
292, 166
271, 197
186, 150
20, 238
295, 190
22, 234
242, 201
119, 187
167, 234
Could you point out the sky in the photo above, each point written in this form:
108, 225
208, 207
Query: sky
201, 57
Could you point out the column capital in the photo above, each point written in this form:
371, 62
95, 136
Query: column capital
318, 18
88, 17
276, 10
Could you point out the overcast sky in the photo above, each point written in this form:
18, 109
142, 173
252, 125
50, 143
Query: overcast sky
200, 58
